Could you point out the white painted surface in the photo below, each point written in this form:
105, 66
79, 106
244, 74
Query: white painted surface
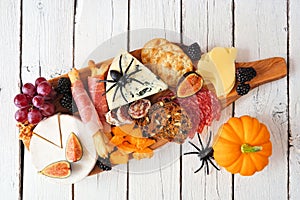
98, 22
199, 26
46, 51
260, 30
10, 168
259, 35
294, 103
163, 182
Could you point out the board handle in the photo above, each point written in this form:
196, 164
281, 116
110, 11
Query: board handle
267, 70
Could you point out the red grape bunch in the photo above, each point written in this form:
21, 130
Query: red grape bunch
34, 102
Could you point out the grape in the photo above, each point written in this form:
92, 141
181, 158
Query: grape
21, 101
39, 80
34, 116
47, 109
21, 115
51, 96
44, 88
29, 89
38, 101
29, 98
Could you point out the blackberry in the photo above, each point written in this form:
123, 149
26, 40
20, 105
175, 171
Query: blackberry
64, 86
242, 88
245, 74
193, 51
104, 164
66, 102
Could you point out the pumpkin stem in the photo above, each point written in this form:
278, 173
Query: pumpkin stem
246, 148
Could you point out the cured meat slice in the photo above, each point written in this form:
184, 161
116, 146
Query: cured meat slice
86, 108
202, 108
96, 91
88, 114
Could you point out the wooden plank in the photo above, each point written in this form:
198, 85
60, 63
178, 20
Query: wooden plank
10, 148
100, 21
158, 178
210, 24
259, 34
294, 100
46, 51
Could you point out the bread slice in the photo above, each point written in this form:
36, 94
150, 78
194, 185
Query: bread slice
166, 60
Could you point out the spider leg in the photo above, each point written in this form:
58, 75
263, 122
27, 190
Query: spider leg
121, 90
116, 92
132, 73
211, 162
200, 167
109, 89
133, 79
194, 152
105, 81
207, 167
209, 140
195, 146
129, 66
120, 64
200, 141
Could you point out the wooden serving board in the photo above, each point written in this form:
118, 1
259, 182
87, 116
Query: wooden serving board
267, 70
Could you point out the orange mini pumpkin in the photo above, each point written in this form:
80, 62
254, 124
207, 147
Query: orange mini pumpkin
243, 146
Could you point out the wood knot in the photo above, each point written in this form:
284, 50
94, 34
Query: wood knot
40, 5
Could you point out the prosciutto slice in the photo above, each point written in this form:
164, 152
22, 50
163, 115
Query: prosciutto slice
96, 90
85, 106
88, 113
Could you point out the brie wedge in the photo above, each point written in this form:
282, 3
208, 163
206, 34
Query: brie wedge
44, 152
135, 81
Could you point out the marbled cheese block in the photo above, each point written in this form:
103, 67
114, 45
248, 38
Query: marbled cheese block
139, 81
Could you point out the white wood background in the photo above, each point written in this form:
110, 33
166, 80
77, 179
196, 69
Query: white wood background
48, 37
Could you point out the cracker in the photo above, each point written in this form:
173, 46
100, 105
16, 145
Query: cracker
166, 60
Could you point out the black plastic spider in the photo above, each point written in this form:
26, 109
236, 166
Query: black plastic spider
120, 79
205, 154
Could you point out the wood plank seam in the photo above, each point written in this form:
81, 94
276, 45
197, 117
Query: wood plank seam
288, 95
73, 65
74, 27
181, 149
233, 104
21, 146
128, 47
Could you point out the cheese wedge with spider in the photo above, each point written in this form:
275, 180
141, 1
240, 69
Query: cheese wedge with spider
129, 80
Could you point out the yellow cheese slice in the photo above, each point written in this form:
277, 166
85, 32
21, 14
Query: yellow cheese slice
218, 67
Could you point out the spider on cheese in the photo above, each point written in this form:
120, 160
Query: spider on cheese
120, 79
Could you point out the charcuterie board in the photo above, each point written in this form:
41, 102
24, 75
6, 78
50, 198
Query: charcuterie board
132, 105
268, 70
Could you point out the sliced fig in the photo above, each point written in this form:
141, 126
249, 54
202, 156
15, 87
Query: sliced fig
73, 148
60, 169
189, 84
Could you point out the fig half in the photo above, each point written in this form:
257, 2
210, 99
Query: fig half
60, 169
73, 148
189, 84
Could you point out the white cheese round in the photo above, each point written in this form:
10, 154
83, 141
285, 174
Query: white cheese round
45, 146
